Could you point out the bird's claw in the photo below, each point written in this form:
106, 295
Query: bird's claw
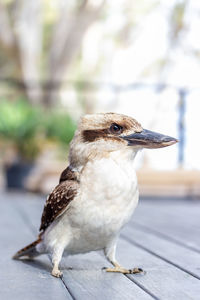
137, 271
57, 273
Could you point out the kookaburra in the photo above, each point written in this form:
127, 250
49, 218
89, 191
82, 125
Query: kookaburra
97, 192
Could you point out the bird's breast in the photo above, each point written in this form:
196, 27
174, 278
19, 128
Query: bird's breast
108, 196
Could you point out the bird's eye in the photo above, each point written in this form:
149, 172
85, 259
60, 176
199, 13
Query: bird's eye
116, 129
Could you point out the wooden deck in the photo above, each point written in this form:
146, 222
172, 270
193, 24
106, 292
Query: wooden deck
163, 238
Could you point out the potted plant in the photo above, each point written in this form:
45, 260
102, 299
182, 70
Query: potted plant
19, 124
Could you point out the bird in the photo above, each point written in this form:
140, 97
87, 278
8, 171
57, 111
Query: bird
97, 192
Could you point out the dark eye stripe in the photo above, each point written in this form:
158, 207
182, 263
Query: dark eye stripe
106, 133
93, 135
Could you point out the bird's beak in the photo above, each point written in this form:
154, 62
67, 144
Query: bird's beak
149, 139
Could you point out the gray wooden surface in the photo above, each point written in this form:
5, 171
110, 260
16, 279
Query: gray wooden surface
163, 238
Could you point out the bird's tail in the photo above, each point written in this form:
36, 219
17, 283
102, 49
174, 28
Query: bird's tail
29, 251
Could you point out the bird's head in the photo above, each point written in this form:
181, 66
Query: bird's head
100, 134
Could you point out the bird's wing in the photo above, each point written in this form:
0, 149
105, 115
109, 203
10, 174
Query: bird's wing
68, 174
58, 201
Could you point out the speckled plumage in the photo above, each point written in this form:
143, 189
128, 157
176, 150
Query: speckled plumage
58, 201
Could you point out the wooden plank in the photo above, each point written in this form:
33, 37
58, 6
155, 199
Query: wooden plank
176, 207
178, 221
162, 279
30, 207
87, 279
180, 256
23, 280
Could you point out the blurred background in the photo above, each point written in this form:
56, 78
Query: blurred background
60, 59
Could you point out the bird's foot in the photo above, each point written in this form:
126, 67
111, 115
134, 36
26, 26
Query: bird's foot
56, 273
122, 270
137, 271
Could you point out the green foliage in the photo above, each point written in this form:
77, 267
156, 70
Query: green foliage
18, 120
19, 123
59, 127
27, 127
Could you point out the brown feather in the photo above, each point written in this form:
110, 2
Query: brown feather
29, 250
58, 201
68, 174
93, 135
